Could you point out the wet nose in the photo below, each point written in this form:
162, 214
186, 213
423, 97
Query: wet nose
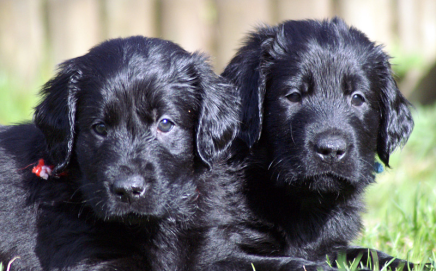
130, 188
331, 148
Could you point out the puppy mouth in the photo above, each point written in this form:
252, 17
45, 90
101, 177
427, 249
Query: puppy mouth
137, 210
134, 218
327, 182
131, 216
130, 212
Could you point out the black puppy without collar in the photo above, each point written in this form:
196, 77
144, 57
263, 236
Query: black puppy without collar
319, 103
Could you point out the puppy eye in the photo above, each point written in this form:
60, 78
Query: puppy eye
357, 100
165, 125
100, 129
294, 97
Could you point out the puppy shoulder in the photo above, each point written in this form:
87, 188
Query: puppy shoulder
19, 146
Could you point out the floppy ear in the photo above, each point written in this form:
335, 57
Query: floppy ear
248, 71
396, 120
55, 115
218, 119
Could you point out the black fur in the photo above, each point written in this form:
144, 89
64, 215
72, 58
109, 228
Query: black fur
136, 130
139, 133
319, 103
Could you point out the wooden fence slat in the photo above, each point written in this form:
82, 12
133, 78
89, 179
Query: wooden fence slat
21, 38
74, 27
373, 17
408, 24
188, 23
307, 9
427, 25
130, 17
235, 19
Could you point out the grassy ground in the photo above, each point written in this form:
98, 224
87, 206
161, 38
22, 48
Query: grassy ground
401, 206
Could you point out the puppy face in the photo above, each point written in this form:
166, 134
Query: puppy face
129, 127
135, 142
323, 117
328, 104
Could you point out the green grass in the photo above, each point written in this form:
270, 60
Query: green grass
401, 206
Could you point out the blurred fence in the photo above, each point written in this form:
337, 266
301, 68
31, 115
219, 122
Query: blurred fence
40, 33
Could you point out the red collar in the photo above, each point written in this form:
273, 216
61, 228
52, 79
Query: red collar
44, 171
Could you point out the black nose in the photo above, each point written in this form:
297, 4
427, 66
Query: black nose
331, 148
130, 188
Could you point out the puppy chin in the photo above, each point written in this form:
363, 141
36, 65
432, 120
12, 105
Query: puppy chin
140, 212
317, 183
134, 218
328, 182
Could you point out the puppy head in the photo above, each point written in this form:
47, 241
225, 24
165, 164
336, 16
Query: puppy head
135, 118
326, 102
